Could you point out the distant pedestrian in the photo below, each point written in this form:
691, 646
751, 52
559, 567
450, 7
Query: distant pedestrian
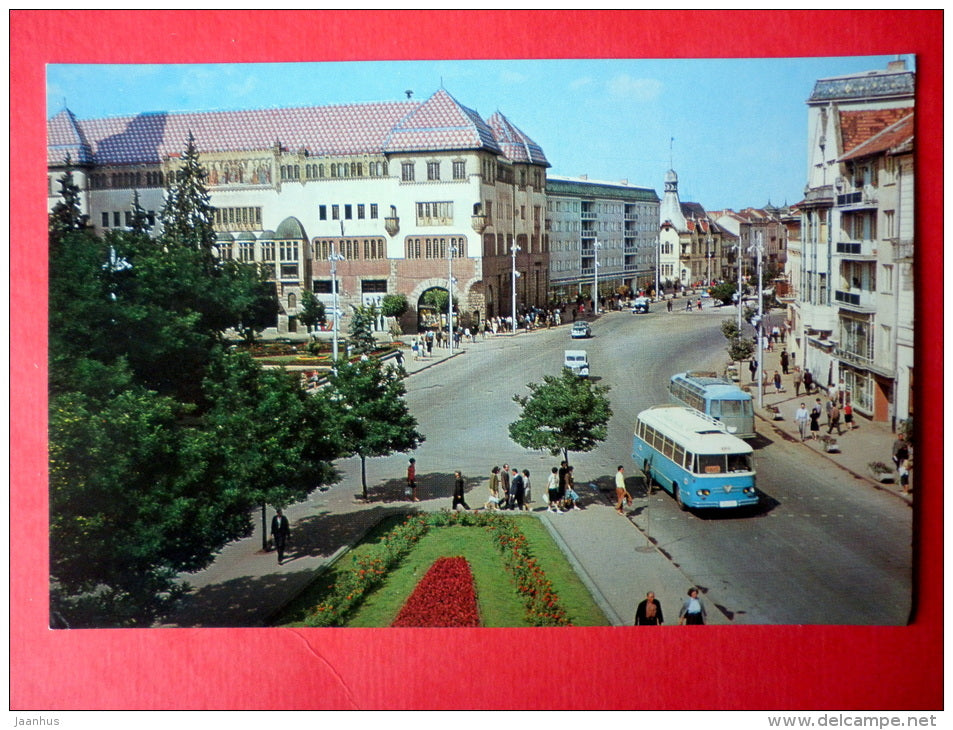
458, 487
527, 496
411, 491
415, 348
692, 612
429, 344
777, 382
800, 418
505, 486
563, 471
552, 491
494, 486
904, 470
622, 495
649, 611
699, 305
815, 417
669, 305
798, 380
808, 381
753, 369
399, 357
570, 497
900, 451
784, 361
849, 415
516, 490
688, 306
833, 418
280, 530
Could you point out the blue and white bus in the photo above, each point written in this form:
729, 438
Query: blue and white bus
694, 458
717, 397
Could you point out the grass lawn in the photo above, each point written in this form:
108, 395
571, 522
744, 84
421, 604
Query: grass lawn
499, 603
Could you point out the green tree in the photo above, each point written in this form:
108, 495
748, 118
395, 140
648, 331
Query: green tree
187, 215
394, 305
370, 414
724, 292
140, 219
562, 414
362, 324
261, 308
740, 348
67, 214
312, 310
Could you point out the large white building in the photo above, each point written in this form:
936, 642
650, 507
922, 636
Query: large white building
853, 314
590, 222
397, 188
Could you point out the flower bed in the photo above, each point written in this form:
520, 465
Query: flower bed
368, 572
444, 597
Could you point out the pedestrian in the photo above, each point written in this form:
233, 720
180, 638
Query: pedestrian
280, 530
900, 451
525, 498
563, 471
552, 490
504, 486
849, 415
904, 470
777, 382
815, 416
458, 498
668, 305
411, 491
798, 379
516, 490
415, 348
784, 361
753, 369
699, 305
570, 497
800, 418
399, 357
808, 381
688, 306
833, 418
692, 612
622, 495
649, 611
429, 344
494, 489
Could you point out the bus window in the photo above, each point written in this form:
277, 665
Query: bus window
739, 462
711, 464
714, 408
731, 408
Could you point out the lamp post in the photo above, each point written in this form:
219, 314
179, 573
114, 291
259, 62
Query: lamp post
758, 249
513, 249
738, 291
450, 252
658, 268
334, 257
595, 275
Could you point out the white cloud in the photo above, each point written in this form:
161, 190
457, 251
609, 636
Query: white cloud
624, 86
580, 83
512, 77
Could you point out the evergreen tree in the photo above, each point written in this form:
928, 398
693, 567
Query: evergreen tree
67, 214
140, 219
562, 414
362, 329
187, 215
312, 310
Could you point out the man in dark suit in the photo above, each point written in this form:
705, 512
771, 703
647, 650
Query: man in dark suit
280, 529
649, 612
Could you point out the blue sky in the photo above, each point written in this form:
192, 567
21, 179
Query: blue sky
739, 125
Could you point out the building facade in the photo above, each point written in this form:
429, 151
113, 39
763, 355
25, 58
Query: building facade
600, 234
692, 246
402, 195
853, 315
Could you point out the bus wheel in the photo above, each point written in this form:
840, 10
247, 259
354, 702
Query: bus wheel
678, 497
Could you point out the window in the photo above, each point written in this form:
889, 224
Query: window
117, 220
407, 171
347, 211
433, 170
268, 251
435, 214
460, 170
288, 250
435, 247
373, 211
323, 212
289, 271
246, 251
360, 211
322, 286
335, 212
105, 219
374, 286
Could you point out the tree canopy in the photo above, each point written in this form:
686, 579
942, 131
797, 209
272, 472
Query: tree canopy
562, 414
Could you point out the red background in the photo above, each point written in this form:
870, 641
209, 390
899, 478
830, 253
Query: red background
731, 667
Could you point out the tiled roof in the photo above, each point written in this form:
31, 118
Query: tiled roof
894, 136
439, 123
516, 145
859, 126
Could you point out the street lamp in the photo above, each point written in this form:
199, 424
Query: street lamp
513, 249
595, 274
450, 252
334, 257
758, 248
658, 268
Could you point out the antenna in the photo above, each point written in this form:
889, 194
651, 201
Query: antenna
671, 164
409, 92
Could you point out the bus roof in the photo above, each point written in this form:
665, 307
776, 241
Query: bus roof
693, 429
712, 385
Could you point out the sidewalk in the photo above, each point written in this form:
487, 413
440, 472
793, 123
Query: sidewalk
870, 441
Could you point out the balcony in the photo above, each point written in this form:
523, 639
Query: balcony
857, 198
857, 299
866, 249
588, 215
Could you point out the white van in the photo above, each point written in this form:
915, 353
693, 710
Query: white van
577, 361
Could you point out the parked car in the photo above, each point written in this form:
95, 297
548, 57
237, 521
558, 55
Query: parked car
640, 305
577, 361
580, 329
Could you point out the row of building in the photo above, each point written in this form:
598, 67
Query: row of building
403, 197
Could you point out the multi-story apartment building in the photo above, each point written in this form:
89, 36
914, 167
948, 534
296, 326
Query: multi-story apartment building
397, 188
692, 245
590, 222
853, 315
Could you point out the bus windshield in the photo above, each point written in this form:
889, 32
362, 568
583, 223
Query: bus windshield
721, 463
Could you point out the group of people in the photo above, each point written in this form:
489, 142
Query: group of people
509, 489
837, 406
692, 612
